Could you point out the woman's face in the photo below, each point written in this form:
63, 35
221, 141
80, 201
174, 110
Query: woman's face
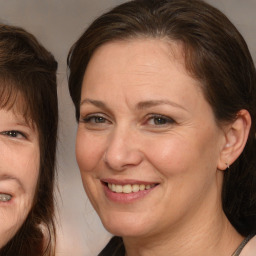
19, 170
147, 145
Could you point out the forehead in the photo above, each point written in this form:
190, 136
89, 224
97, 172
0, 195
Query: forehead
138, 51
140, 63
12, 99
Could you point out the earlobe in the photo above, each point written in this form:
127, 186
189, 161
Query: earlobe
236, 135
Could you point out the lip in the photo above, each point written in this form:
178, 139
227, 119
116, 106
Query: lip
124, 198
10, 185
127, 181
5, 203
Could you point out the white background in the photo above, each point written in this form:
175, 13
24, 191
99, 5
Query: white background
57, 24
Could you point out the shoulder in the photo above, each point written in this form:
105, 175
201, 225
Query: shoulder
250, 248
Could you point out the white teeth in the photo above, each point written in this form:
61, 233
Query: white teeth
118, 188
142, 187
135, 188
5, 197
128, 188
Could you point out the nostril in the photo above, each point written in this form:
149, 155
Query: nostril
122, 159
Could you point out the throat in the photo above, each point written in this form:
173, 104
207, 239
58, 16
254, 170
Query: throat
192, 241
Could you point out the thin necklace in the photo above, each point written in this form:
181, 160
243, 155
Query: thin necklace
242, 245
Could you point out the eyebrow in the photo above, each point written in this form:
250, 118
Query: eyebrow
22, 121
141, 105
25, 124
96, 103
153, 103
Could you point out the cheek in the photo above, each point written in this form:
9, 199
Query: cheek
168, 155
89, 151
10, 222
89, 154
181, 154
12, 217
8, 228
29, 174
22, 163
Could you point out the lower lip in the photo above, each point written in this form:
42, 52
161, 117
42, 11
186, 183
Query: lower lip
126, 198
7, 203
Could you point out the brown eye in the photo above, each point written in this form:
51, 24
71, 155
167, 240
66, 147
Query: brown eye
95, 119
13, 133
160, 120
99, 119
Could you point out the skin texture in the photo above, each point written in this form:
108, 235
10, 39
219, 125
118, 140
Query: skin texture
19, 170
144, 119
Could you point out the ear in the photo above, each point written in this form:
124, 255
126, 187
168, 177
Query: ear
236, 135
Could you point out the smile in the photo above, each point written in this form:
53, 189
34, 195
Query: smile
128, 188
5, 197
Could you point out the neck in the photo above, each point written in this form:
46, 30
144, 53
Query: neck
210, 241
201, 234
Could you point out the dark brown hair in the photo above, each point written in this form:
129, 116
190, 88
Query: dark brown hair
215, 54
28, 84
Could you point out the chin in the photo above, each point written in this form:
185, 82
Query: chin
124, 226
6, 236
124, 231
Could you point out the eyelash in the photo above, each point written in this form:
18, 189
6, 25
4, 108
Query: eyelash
89, 118
159, 120
164, 120
13, 133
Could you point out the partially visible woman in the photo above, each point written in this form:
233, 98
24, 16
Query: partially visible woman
28, 131
165, 97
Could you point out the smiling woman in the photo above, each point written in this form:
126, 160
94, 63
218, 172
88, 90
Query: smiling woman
19, 163
165, 97
28, 127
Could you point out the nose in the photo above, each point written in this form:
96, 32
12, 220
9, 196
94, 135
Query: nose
123, 150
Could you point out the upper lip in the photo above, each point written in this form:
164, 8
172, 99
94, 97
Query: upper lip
6, 193
127, 181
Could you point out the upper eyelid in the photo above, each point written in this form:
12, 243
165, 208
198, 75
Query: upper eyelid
157, 114
154, 115
93, 106
94, 115
17, 131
